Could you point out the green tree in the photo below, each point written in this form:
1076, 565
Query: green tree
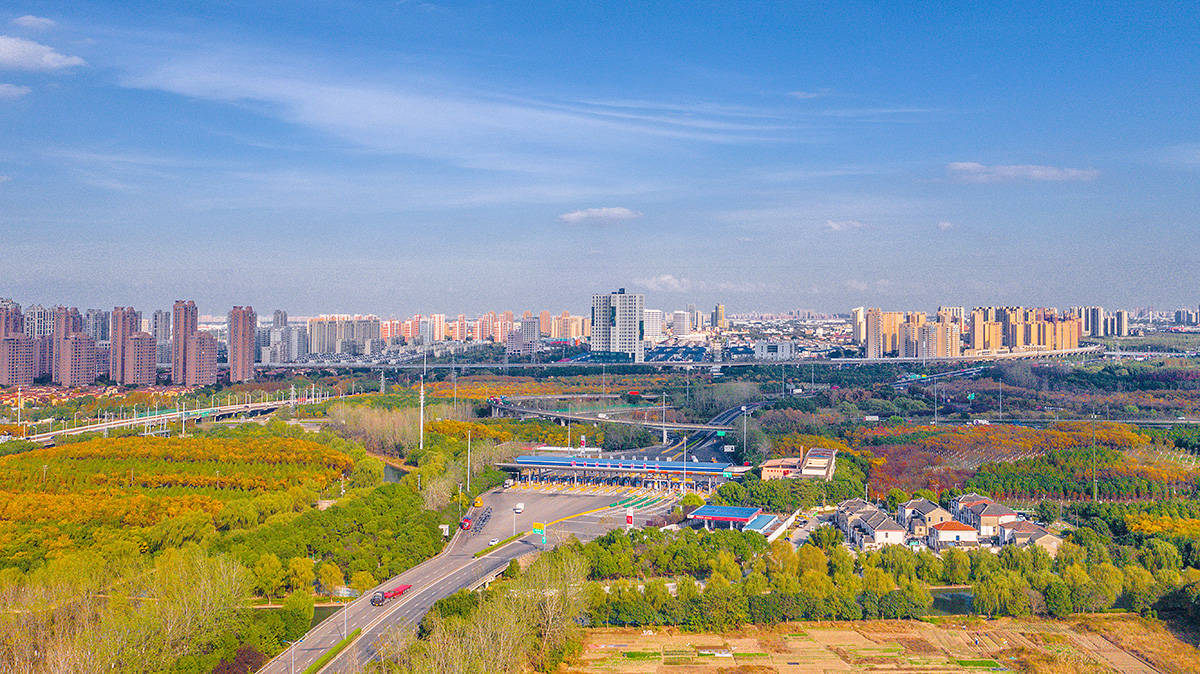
330, 577
1049, 512
362, 581
1058, 599
957, 566
826, 537
895, 497
268, 575
301, 574
691, 499
297, 613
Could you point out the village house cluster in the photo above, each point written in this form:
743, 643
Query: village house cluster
972, 521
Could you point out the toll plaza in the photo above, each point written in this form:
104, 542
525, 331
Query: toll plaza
644, 472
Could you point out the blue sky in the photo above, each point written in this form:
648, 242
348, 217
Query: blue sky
410, 156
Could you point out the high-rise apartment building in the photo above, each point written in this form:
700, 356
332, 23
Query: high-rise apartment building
16, 359
76, 357
67, 321
718, 317
544, 322
883, 332
242, 343
279, 319
524, 339
437, 327
96, 324
681, 323
139, 360
122, 324
342, 333
201, 359
653, 320
1122, 323
12, 321
617, 325
39, 321
160, 326
184, 324
858, 322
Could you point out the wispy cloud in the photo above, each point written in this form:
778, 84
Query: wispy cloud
4, 179
974, 172
665, 283
860, 285
34, 22
944, 225
808, 95
843, 225
470, 124
12, 91
21, 54
600, 216
1187, 154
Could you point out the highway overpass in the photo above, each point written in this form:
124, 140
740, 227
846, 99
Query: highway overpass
152, 419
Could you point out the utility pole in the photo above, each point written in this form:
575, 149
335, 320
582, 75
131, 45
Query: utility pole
1095, 490
1001, 400
468, 461
422, 418
935, 403
664, 418
381, 390
744, 415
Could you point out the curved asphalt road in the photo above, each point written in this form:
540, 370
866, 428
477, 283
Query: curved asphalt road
457, 568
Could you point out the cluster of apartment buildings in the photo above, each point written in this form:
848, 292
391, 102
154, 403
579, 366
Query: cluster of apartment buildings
984, 331
75, 349
972, 521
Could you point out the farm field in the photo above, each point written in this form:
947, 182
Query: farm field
896, 646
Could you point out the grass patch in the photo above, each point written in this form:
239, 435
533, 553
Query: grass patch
641, 655
749, 655
333, 652
506, 541
990, 664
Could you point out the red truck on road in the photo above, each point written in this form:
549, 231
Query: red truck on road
380, 598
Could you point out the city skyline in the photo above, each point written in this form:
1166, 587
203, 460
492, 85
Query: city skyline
388, 159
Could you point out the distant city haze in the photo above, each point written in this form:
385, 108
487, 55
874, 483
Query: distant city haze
396, 158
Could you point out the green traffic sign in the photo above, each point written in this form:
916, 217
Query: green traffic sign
726, 475
720, 434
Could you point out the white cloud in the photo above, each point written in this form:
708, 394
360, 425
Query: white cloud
807, 95
665, 283
600, 216
34, 22
4, 179
12, 91
974, 172
20, 54
468, 123
842, 225
944, 225
859, 285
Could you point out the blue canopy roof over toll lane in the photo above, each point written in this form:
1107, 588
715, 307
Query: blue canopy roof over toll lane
641, 465
714, 513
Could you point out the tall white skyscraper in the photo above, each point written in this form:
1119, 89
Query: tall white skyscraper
618, 324
653, 320
681, 323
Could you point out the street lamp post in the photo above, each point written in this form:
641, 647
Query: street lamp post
744, 415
